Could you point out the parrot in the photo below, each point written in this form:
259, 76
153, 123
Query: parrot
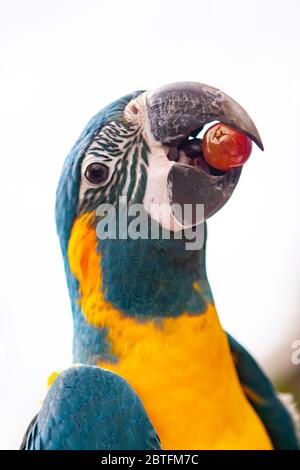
153, 367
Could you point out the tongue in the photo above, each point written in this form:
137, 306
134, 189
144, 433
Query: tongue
193, 155
192, 148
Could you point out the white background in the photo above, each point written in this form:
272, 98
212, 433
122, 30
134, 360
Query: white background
63, 60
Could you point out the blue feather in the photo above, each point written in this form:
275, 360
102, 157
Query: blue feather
88, 408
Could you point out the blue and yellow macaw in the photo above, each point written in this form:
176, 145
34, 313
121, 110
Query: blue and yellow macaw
156, 369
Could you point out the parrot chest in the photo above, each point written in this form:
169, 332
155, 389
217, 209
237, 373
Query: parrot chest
182, 369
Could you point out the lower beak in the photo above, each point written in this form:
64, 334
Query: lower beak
189, 186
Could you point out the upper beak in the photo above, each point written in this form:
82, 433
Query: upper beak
178, 109
175, 111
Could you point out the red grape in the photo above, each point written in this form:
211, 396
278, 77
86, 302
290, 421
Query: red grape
224, 147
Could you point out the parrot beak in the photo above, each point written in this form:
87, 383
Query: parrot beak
178, 112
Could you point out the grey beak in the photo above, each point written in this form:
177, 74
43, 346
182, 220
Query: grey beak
189, 186
175, 111
178, 109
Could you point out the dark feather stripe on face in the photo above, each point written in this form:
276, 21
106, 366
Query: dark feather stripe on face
122, 148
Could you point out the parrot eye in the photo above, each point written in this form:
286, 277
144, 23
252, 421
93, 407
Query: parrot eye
96, 173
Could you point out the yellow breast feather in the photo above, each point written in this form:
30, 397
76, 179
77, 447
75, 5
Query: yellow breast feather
181, 367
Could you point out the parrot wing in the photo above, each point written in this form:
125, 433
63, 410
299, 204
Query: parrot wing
277, 418
89, 408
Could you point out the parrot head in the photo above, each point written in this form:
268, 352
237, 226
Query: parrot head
148, 152
146, 149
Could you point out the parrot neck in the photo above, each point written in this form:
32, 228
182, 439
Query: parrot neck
138, 279
141, 277
156, 278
